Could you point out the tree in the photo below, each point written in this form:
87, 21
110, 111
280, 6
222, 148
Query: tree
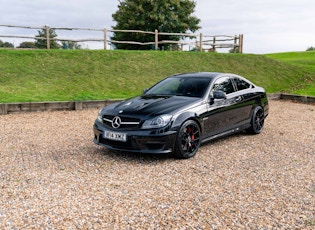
310, 48
70, 45
42, 43
6, 44
171, 16
27, 45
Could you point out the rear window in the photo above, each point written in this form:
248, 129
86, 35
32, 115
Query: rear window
241, 84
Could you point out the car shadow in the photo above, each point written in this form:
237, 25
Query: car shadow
147, 158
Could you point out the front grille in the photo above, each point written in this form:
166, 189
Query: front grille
132, 144
126, 122
155, 146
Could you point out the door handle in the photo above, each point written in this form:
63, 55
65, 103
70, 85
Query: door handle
239, 98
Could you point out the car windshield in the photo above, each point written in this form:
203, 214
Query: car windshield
181, 86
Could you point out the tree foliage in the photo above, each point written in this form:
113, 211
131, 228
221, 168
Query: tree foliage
310, 48
169, 16
42, 43
27, 45
6, 44
70, 45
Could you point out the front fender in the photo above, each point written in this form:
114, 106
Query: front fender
184, 117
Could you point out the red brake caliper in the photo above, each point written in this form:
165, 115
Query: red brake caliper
192, 136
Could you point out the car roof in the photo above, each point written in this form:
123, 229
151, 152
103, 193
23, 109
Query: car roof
211, 75
198, 74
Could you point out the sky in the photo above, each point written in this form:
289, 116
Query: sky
268, 26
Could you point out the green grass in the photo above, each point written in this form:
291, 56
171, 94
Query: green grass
305, 60
62, 75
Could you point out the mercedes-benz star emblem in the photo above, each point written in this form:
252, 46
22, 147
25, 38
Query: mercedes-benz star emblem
116, 122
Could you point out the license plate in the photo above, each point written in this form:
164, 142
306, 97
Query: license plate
115, 136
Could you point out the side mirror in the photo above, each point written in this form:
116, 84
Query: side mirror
219, 95
145, 90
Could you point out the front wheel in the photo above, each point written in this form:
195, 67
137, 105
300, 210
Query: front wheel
188, 140
257, 122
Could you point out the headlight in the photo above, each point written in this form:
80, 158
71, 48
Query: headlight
157, 122
99, 116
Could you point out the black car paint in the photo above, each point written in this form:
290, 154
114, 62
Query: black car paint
147, 106
215, 115
232, 114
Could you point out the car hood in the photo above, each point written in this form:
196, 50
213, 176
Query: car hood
151, 105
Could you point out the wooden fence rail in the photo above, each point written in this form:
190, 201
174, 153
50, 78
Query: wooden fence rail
200, 41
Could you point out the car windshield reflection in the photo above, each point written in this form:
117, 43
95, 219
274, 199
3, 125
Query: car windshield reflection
176, 86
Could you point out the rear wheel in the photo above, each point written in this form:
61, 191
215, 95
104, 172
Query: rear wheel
257, 122
188, 140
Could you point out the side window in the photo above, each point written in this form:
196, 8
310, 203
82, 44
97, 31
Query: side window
224, 84
241, 84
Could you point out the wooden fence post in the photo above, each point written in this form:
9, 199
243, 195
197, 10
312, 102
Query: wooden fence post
47, 37
156, 40
236, 45
213, 47
240, 47
200, 44
105, 31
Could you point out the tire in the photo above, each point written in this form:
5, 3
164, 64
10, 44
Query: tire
188, 140
257, 121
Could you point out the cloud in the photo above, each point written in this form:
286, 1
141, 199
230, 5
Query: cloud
268, 25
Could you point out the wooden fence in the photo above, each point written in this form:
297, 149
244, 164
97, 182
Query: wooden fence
200, 41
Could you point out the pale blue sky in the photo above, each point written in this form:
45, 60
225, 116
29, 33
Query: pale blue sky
268, 25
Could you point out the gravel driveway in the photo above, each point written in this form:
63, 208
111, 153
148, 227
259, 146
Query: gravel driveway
52, 176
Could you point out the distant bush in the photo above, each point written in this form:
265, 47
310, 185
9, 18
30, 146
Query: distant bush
6, 44
27, 45
310, 48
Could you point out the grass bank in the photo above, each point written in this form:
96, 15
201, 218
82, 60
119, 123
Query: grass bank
305, 60
62, 75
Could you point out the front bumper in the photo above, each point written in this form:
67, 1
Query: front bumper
142, 141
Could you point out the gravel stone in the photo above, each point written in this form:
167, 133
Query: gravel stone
52, 176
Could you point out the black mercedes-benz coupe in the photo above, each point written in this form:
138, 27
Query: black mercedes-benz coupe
182, 111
